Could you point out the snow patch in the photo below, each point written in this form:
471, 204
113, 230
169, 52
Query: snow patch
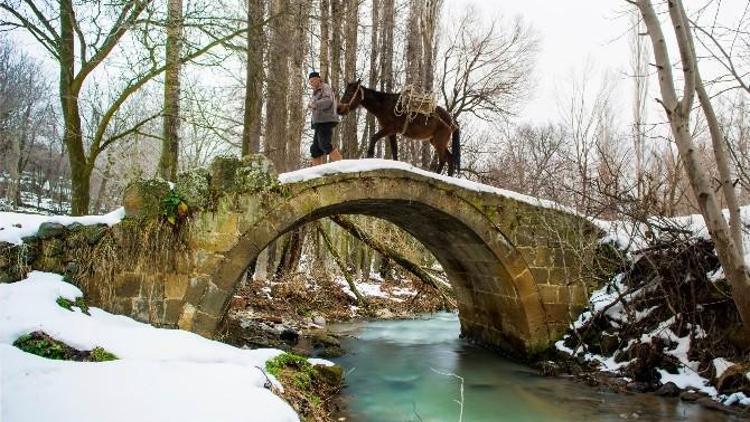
161, 374
15, 225
721, 365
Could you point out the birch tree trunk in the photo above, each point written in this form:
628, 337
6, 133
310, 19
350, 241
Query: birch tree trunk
253, 115
171, 126
678, 113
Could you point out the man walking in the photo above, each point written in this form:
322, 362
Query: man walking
324, 119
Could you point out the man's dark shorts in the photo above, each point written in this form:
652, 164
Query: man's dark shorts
321, 144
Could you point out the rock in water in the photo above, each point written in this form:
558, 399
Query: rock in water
669, 389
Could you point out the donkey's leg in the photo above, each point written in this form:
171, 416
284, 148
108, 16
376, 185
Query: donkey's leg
440, 142
394, 147
373, 140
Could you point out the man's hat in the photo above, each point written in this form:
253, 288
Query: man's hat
313, 75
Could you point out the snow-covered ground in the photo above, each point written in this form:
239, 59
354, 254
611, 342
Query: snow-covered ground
161, 374
627, 235
375, 290
16, 225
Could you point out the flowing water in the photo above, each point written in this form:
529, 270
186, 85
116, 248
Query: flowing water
408, 371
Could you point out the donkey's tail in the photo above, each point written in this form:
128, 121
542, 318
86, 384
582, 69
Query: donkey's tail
456, 150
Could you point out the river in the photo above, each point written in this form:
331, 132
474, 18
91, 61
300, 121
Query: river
407, 370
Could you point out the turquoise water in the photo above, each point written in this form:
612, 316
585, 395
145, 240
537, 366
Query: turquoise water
400, 371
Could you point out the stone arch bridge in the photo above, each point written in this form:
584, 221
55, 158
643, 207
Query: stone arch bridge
521, 269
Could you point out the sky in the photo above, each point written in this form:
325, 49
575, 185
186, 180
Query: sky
574, 35
594, 34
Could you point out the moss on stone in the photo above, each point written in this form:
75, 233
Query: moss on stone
143, 198
193, 187
251, 174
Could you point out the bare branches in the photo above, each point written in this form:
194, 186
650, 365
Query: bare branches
486, 71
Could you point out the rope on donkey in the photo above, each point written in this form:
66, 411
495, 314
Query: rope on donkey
411, 103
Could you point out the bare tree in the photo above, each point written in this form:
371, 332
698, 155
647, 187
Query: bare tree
678, 112
24, 113
486, 70
76, 37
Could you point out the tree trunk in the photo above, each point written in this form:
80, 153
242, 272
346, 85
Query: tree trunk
639, 68
325, 39
722, 163
278, 86
361, 301
349, 125
373, 77
253, 114
171, 126
430, 16
297, 81
386, 61
103, 185
414, 66
72, 135
337, 18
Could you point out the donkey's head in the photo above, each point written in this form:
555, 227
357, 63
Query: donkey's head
352, 98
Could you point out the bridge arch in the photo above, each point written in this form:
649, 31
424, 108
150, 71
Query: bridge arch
497, 295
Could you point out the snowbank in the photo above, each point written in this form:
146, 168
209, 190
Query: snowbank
14, 225
370, 164
161, 374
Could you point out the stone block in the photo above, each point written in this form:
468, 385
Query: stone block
143, 198
204, 324
560, 313
549, 293
541, 275
187, 317
94, 233
128, 284
122, 306
176, 285
193, 187
206, 261
173, 311
558, 276
228, 223
196, 288
48, 230
215, 301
